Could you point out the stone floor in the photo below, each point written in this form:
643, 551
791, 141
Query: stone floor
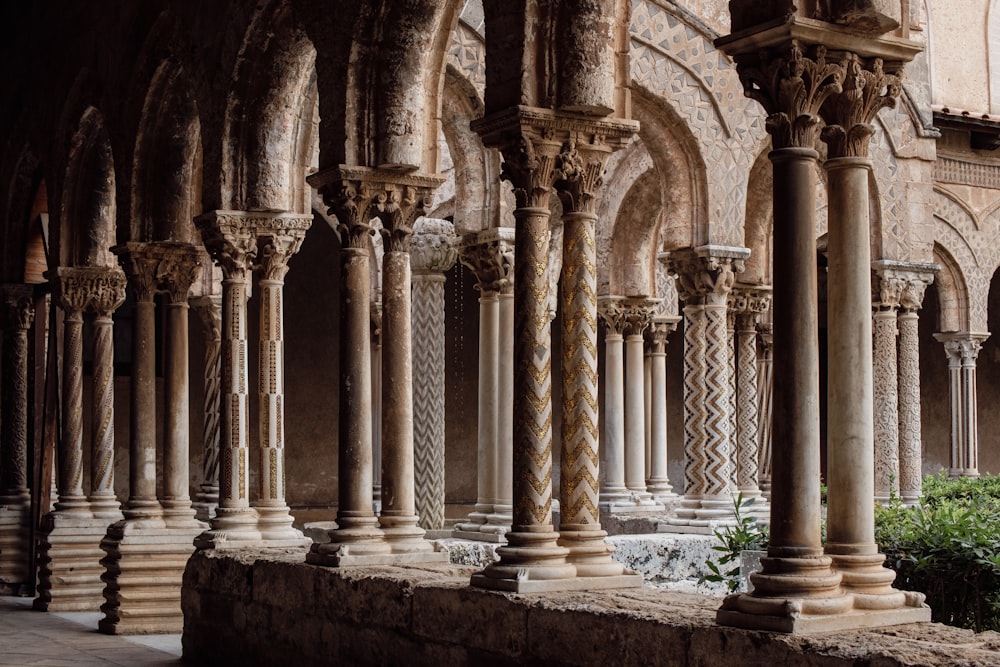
71, 639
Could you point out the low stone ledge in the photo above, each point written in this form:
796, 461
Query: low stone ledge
268, 607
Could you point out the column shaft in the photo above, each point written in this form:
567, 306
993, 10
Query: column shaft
71, 498
614, 493
176, 501
503, 505
209, 309
18, 318
886, 405
659, 483
635, 418
910, 449
103, 501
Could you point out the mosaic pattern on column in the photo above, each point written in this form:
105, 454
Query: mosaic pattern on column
751, 304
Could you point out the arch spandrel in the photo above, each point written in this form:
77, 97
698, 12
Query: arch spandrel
677, 62
956, 233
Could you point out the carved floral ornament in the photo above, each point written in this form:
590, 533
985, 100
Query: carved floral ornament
240, 241
433, 245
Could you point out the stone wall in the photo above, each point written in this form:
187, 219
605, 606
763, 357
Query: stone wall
269, 608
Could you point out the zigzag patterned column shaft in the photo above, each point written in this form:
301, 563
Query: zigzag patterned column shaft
731, 389
695, 396
579, 466
747, 428
432, 253
718, 443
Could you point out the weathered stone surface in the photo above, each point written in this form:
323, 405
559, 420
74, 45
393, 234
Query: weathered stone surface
430, 616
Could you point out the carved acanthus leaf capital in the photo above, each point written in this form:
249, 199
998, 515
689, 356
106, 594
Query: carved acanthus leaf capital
906, 282
747, 303
637, 314
230, 238
355, 195
791, 84
660, 329
867, 88
18, 307
209, 311
962, 347
490, 256
580, 175
177, 269
706, 275
89, 289
278, 239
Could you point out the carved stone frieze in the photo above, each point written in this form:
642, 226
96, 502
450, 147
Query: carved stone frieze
433, 247
490, 256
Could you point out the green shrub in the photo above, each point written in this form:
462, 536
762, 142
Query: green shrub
746, 534
948, 548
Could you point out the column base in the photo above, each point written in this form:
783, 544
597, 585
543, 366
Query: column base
866, 578
404, 535
230, 529
69, 563
590, 553
143, 570
276, 530
15, 535
146, 513
476, 518
797, 622
357, 540
532, 556
205, 503
496, 523
700, 515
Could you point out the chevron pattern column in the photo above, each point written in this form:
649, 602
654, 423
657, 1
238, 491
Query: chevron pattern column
432, 253
749, 304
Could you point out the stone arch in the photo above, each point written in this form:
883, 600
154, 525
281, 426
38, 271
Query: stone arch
476, 168
25, 181
624, 168
953, 293
272, 78
86, 225
632, 260
676, 60
681, 169
165, 188
759, 226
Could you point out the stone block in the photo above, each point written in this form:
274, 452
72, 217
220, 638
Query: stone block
364, 597
473, 618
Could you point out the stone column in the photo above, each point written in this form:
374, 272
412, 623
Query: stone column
376, 345
614, 495
638, 316
490, 256
580, 527
705, 275
796, 587
209, 309
140, 266
103, 502
659, 483
647, 383
177, 272
765, 411
17, 316
850, 447
73, 291
432, 253
910, 446
231, 241
750, 303
962, 349
279, 237
502, 518
886, 396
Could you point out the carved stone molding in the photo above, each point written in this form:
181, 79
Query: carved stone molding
89, 289
433, 247
490, 256
355, 195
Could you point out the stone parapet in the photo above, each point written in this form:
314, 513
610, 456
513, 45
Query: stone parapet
430, 616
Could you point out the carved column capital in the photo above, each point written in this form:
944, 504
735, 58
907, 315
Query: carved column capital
543, 149
490, 256
661, 328
638, 314
912, 280
140, 268
89, 289
209, 311
888, 292
791, 82
18, 303
177, 269
612, 311
706, 274
433, 247
867, 87
355, 195
278, 238
230, 238
748, 302
962, 347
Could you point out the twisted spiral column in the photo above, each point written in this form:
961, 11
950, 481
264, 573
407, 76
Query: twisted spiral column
209, 309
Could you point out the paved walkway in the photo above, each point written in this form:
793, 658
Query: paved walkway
71, 639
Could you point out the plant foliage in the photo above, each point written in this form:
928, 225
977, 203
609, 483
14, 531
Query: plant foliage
948, 548
745, 535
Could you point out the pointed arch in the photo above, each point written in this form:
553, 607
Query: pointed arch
953, 292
